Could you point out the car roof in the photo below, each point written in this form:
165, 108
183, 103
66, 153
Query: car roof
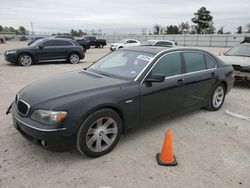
160, 40
157, 49
67, 39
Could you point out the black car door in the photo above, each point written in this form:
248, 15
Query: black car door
158, 98
62, 49
45, 51
200, 77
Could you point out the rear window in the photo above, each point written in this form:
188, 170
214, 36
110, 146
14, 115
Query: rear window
194, 61
210, 62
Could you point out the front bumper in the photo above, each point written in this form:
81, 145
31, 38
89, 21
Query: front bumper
55, 139
241, 73
112, 48
12, 58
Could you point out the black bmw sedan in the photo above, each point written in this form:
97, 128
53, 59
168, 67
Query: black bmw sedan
46, 50
91, 108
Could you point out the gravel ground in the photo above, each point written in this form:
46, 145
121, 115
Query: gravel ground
212, 148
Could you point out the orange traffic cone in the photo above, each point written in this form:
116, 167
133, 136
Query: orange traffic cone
166, 157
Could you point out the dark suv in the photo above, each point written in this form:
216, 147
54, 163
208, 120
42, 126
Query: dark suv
46, 50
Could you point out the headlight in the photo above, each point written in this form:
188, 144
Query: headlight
48, 117
11, 52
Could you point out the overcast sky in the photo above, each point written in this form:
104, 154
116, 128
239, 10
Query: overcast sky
120, 16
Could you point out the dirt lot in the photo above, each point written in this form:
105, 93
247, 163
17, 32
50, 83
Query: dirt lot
212, 148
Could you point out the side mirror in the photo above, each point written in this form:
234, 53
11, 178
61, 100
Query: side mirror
156, 78
41, 46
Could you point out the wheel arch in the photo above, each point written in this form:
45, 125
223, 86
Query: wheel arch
113, 107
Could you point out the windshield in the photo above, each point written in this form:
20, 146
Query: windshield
36, 42
240, 50
125, 64
149, 42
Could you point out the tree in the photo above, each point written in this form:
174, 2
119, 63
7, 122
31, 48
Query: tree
22, 30
203, 21
239, 29
184, 28
172, 29
157, 29
248, 28
1, 28
220, 31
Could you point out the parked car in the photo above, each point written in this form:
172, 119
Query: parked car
23, 38
84, 43
98, 43
166, 43
46, 50
128, 87
33, 39
124, 43
2, 39
239, 57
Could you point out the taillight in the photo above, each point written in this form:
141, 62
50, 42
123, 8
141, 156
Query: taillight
82, 49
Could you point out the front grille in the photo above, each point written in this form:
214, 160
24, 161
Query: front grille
22, 107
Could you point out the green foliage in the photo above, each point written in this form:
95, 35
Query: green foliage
184, 28
239, 29
172, 29
157, 29
203, 21
220, 31
76, 33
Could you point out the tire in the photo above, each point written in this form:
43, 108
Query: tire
217, 97
25, 60
96, 140
100, 45
120, 47
74, 58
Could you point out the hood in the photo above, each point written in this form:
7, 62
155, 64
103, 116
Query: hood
236, 60
66, 85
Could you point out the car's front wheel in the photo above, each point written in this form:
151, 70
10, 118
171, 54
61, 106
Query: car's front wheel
99, 133
24, 60
217, 97
74, 58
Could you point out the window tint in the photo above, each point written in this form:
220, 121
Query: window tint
163, 43
169, 65
194, 61
57, 43
210, 62
131, 41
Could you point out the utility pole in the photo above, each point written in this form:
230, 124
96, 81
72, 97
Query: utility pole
32, 28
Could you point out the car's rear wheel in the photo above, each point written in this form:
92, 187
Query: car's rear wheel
24, 60
99, 133
74, 58
217, 97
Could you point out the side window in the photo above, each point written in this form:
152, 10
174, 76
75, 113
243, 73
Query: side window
48, 43
194, 61
169, 65
210, 62
163, 43
131, 41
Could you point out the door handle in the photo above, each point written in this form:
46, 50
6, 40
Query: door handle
180, 81
213, 75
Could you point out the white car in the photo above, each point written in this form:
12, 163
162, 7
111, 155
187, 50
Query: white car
124, 43
166, 43
239, 58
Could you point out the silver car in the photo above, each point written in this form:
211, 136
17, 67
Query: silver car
239, 58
